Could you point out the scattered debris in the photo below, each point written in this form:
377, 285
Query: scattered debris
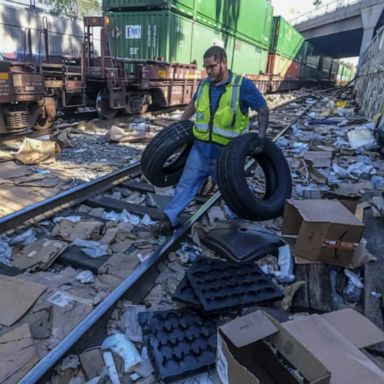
121, 345
36, 151
17, 296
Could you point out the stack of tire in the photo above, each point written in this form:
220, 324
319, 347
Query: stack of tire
164, 158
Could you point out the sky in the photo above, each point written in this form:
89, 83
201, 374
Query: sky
291, 9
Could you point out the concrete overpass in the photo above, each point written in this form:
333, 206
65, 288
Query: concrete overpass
343, 28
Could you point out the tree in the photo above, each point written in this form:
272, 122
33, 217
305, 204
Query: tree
73, 8
317, 3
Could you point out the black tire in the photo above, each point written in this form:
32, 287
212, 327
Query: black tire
176, 140
233, 184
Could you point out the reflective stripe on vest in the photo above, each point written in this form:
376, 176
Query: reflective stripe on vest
235, 93
202, 127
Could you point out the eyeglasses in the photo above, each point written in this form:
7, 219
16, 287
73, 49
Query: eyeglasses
211, 66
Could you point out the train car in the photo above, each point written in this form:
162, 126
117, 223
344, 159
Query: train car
345, 74
171, 36
31, 93
22, 95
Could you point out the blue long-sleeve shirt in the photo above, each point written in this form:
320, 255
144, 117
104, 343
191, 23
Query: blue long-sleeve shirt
250, 98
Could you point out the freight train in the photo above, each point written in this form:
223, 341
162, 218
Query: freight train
145, 50
257, 44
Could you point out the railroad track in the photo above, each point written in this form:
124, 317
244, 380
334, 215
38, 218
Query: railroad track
101, 194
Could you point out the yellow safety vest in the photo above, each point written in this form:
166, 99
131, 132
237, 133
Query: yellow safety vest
227, 121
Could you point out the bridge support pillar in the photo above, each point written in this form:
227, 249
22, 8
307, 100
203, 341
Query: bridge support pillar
370, 16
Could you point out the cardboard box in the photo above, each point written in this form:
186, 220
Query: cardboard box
323, 348
322, 231
245, 355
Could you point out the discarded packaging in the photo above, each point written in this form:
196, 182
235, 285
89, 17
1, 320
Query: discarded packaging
92, 249
36, 151
312, 349
118, 134
188, 253
111, 368
86, 277
39, 255
285, 260
121, 345
18, 354
5, 252
131, 323
253, 350
124, 216
26, 238
354, 288
72, 219
361, 137
17, 297
323, 231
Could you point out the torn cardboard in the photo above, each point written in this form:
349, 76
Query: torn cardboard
323, 337
119, 135
322, 348
34, 151
83, 230
319, 159
39, 255
323, 231
17, 354
16, 297
245, 354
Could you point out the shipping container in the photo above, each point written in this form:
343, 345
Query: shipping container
249, 20
248, 58
242, 56
325, 65
309, 73
185, 7
175, 38
283, 67
312, 56
150, 35
334, 69
286, 40
204, 37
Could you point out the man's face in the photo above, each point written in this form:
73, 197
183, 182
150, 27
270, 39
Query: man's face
216, 69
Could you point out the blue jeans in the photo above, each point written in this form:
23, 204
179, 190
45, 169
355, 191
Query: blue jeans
197, 169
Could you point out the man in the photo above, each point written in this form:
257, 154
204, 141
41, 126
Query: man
221, 105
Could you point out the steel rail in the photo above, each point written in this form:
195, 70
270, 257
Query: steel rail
49, 361
67, 198
43, 367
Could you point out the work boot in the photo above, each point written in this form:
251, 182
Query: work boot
162, 228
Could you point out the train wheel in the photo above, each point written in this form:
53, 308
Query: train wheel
47, 116
102, 105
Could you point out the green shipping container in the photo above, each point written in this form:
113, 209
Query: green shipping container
183, 6
249, 59
286, 40
242, 56
249, 20
204, 37
149, 35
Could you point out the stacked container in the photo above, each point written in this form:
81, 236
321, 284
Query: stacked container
287, 51
182, 30
345, 73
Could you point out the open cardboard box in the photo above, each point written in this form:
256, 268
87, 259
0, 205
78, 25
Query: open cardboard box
256, 349
323, 231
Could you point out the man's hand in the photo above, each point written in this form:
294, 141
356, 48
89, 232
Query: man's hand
188, 111
259, 148
262, 119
